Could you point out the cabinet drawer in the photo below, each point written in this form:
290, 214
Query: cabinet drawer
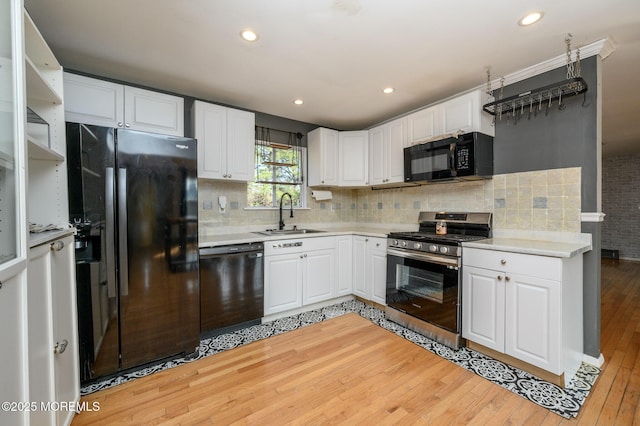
524, 264
297, 245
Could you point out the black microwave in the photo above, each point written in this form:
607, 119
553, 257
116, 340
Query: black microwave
467, 157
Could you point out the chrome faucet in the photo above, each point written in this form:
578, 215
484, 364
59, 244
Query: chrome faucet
281, 223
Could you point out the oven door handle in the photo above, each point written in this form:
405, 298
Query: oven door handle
440, 260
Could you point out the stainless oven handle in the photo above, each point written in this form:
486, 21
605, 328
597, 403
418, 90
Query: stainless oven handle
440, 260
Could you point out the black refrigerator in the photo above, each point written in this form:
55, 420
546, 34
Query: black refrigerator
133, 198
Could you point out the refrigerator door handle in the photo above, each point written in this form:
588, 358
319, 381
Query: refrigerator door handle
122, 232
109, 206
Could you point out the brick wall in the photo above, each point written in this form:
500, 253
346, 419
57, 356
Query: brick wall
621, 204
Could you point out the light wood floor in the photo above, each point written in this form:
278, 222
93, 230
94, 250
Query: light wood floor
348, 370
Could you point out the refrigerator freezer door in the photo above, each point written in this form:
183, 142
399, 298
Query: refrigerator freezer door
159, 309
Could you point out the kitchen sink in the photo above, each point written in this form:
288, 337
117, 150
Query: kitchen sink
288, 231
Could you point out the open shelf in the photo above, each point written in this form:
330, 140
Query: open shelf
40, 152
38, 86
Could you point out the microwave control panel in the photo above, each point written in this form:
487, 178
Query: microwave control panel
462, 159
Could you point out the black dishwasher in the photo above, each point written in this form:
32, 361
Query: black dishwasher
231, 287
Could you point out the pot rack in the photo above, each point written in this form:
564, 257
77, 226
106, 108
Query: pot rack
542, 97
533, 101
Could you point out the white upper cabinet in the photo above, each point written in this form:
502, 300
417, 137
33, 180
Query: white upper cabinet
102, 103
386, 152
463, 113
226, 142
423, 124
323, 157
353, 158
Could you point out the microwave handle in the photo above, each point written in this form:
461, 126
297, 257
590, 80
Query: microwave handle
452, 160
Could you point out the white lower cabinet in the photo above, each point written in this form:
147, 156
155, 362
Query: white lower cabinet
52, 330
298, 272
344, 265
370, 268
526, 306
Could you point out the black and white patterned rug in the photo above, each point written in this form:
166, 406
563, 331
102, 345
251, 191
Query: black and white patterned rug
564, 402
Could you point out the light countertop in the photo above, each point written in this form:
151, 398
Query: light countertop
563, 246
251, 237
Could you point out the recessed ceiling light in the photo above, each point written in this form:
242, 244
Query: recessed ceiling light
388, 90
248, 35
530, 18
298, 102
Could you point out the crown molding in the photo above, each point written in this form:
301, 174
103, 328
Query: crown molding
603, 47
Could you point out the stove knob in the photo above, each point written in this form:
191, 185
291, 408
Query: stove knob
417, 246
403, 243
444, 250
433, 248
394, 242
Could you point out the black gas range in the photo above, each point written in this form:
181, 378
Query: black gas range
423, 272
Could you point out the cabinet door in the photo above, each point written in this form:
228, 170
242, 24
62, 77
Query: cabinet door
210, 127
377, 270
41, 344
323, 157
282, 284
533, 327
423, 125
377, 154
353, 158
318, 276
360, 284
155, 112
397, 141
240, 145
15, 375
483, 303
344, 266
461, 113
91, 101
65, 326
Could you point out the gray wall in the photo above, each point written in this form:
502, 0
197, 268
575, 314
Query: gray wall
561, 138
621, 203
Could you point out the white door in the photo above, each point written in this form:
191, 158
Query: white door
344, 265
483, 303
353, 157
210, 125
65, 326
318, 275
92, 101
423, 125
397, 141
533, 324
155, 112
282, 284
377, 154
240, 145
360, 287
41, 362
461, 114
377, 270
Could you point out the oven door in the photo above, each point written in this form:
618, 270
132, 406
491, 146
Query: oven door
425, 286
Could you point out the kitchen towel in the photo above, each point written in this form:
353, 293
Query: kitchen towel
321, 195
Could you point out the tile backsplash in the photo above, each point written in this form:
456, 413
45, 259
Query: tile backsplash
547, 200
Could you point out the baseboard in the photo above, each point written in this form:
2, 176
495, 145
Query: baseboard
597, 362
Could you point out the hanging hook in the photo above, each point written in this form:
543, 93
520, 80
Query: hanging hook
561, 106
584, 101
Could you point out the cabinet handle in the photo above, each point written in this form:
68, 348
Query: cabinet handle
57, 245
499, 277
127, 125
60, 347
503, 262
224, 175
322, 181
377, 244
119, 123
305, 255
507, 278
301, 256
229, 176
366, 240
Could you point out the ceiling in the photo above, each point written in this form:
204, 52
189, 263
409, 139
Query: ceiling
338, 55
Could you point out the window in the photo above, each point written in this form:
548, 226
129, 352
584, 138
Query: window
280, 168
